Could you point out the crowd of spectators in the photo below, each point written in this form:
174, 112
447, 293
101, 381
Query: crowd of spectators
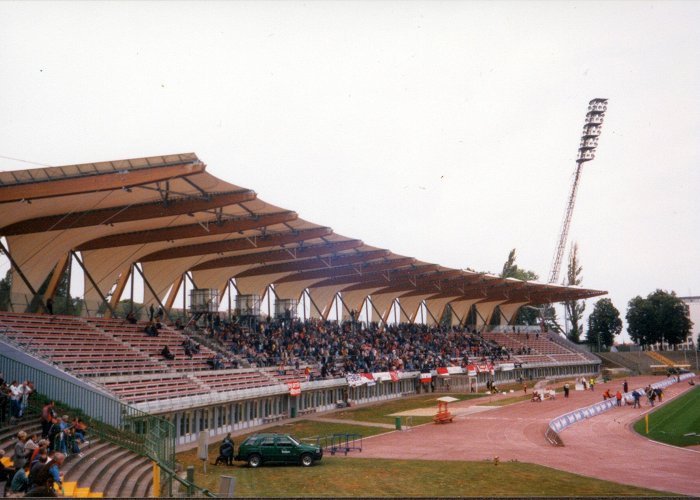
336, 349
33, 468
14, 398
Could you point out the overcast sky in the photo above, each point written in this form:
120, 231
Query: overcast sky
445, 131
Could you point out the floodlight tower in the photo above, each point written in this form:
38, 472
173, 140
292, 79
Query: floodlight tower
586, 152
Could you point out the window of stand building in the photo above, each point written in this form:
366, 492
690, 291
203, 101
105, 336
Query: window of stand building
184, 424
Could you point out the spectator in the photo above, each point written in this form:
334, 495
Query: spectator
4, 402
31, 445
20, 481
36, 464
27, 389
165, 352
15, 399
20, 456
6, 472
47, 416
48, 475
151, 330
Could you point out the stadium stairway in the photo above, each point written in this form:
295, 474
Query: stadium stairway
104, 470
660, 358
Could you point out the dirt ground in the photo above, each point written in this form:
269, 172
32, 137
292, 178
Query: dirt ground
603, 447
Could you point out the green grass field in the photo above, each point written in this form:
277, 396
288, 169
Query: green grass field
676, 423
351, 477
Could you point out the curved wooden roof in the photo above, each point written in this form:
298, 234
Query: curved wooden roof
170, 215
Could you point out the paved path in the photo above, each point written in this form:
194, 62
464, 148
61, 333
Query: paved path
321, 418
604, 447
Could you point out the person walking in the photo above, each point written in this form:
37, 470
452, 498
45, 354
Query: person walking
566, 390
637, 402
625, 387
618, 398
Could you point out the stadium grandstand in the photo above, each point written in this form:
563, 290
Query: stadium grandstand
344, 322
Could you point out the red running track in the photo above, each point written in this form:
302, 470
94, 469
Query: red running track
604, 447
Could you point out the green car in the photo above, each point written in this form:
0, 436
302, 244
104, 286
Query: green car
264, 448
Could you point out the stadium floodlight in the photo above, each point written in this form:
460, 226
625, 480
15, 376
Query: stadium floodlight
591, 129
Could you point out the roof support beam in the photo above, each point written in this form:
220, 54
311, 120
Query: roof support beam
127, 213
378, 279
318, 262
99, 182
405, 276
277, 255
350, 270
207, 228
237, 244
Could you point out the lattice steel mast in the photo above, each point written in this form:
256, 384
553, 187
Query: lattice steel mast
586, 152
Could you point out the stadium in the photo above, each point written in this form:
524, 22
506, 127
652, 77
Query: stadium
207, 311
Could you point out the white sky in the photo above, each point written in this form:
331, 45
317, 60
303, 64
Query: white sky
446, 131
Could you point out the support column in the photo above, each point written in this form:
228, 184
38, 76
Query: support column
402, 310
173, 293
313, 303
145, 282
56, 278
24, 278
437, 322
303, 299
131, 292
117, 294
92, 282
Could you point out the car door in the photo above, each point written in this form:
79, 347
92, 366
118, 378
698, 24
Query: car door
286, 450
268, 450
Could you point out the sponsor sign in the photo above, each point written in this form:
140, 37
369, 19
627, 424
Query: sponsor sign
294, 388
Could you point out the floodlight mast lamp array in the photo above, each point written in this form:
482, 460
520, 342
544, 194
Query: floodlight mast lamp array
586, 152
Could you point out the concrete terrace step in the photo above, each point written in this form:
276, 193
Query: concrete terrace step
85, 469
108, 477
144, 484
131, 473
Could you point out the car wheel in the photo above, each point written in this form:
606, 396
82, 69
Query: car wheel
255, 460
307, 460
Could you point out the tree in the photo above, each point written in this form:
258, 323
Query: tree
5, 288
574, 308
603, 324
526, 315
661, 317
511, 270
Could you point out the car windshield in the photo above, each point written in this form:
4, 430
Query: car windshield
294, 440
